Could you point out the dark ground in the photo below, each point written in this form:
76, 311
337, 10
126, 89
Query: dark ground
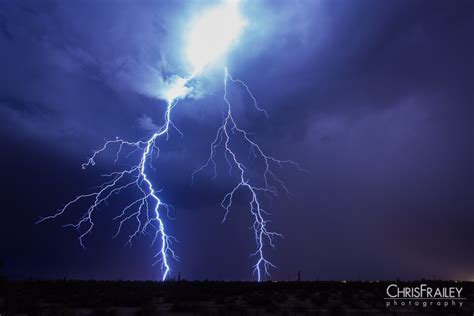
213, 298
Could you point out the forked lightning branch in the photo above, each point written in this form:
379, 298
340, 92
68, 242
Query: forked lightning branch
212, 35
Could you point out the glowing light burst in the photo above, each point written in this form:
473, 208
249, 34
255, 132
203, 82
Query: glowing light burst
211, 35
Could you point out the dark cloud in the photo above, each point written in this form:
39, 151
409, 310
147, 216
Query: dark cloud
374, 98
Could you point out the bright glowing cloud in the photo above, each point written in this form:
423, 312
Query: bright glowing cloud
212, 33
176, 88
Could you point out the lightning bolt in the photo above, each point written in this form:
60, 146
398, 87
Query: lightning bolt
228, 131
145, 210
210, 37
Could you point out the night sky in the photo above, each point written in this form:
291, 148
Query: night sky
374, 98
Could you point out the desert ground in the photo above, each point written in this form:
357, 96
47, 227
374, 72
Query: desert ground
75, 297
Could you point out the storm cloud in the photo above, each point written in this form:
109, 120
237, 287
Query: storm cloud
374, 98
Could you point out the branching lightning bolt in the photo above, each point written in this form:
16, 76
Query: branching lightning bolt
146, 209
210, 37
225, 133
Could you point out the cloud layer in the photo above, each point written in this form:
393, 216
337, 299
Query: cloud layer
374, 98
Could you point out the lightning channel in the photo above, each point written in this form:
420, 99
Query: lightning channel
147, 210
210, 36
225, 135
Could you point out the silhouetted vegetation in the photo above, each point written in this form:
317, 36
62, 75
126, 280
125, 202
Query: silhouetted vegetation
202, 298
